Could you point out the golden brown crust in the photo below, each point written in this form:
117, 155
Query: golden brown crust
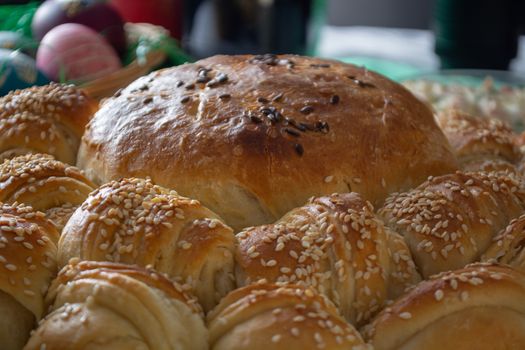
479, 307
116, 306
44, 119
28, 261
450, 220
335, 244
134, 221
260, 316
43, 183
478, 139
266, 133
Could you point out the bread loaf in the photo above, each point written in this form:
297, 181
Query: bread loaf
101, 305
133, 221
253, 137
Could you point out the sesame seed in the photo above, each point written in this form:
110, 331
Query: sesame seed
10, 267
328, 179
405, 315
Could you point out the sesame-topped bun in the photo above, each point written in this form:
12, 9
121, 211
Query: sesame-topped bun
479, 307
450, 220
27, 265
43, 183
134, 221
101, 305
508, 247
253, 137
44, 119
279, 317
479, 143
336, 245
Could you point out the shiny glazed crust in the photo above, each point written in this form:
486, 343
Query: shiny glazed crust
254, 136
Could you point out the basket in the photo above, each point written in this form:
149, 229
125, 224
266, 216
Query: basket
148, 57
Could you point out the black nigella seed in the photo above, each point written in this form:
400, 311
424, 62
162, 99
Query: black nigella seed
299, 149
144, 88
148, 100
307, 110
320, 65
334, 99
184, 99
179, 83
190, 86
255, 119
262, 100
224, 96
292, 132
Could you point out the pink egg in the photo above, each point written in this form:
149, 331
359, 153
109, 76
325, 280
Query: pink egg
75, 53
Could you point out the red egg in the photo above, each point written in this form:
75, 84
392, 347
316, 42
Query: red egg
76, 53
96, 14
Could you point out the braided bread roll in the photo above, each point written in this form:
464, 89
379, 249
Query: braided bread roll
334, 244
27, 265
479, 307
508, 246
134, 221
479, 143
449, 221
263, 316
45, 184
44, 119
101, 305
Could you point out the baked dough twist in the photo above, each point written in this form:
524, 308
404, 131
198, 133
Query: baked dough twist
27, 265
449, 221
134, 221
335, 244
102, 305
478, 307
44, 119
279, 317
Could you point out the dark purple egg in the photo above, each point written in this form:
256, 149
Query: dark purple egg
95, 14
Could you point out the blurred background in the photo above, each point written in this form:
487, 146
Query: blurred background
398, 38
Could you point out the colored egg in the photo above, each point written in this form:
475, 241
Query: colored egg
18, 71
75, 53
17, 41
96, 14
